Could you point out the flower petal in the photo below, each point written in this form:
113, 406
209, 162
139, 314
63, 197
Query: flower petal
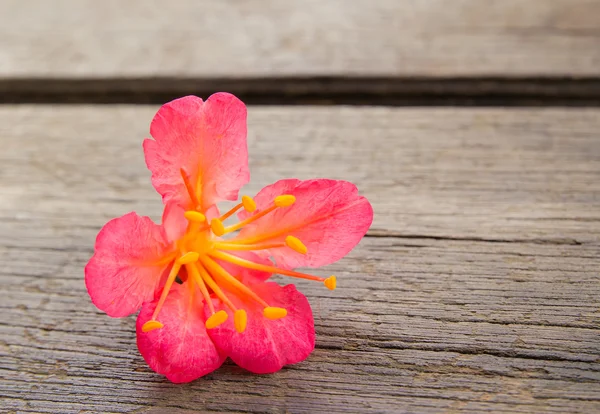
329, 217
267, 345
181, 350
131, 255
174, 221
205, 139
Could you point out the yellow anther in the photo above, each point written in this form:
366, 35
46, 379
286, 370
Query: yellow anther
216, 319
240, 319
217, 227
248, 203
294, 243
274, 313
151, 325
284, 200
195, 216
189, 257
330, 282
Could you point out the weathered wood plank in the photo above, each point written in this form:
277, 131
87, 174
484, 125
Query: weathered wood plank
476, 291
262, 38
526, 175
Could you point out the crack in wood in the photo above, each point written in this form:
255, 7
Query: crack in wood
398, 235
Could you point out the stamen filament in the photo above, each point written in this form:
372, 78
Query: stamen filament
249, 220
172, 275
190, 189
212, 284
237, 246
224, 274
190, 285
248, 204
264, 268
193, 272
231, 212
189, 257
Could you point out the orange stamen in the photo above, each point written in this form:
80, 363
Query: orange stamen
240, 319
285, 200
217, 270
278, 233
264, 268
274, 313
189, 257
195, 216
236, 246
193, 272
216, 319
153, 323
167, 288
190, 283
190, 189
217, 227
330, 282
280, 201
249, 220
213, 285
295, 244
249, 204
231, 212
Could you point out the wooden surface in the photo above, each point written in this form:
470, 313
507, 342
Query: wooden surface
264, 38
476, 290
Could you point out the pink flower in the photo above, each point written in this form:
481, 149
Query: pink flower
204, 297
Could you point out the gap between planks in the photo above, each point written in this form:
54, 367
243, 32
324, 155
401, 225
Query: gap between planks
317, 90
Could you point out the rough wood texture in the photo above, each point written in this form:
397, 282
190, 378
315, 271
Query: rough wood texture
476, 291
256, 38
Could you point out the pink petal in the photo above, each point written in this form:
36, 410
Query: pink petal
206, 139
174, 221
128, 264
267, 345
329, 217
181, 350
245, 275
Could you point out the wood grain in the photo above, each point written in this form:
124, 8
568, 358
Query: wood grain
262, 38
476, 291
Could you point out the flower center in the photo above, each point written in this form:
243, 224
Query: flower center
200, 249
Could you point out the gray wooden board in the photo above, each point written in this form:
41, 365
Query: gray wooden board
476, 290
262, 38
